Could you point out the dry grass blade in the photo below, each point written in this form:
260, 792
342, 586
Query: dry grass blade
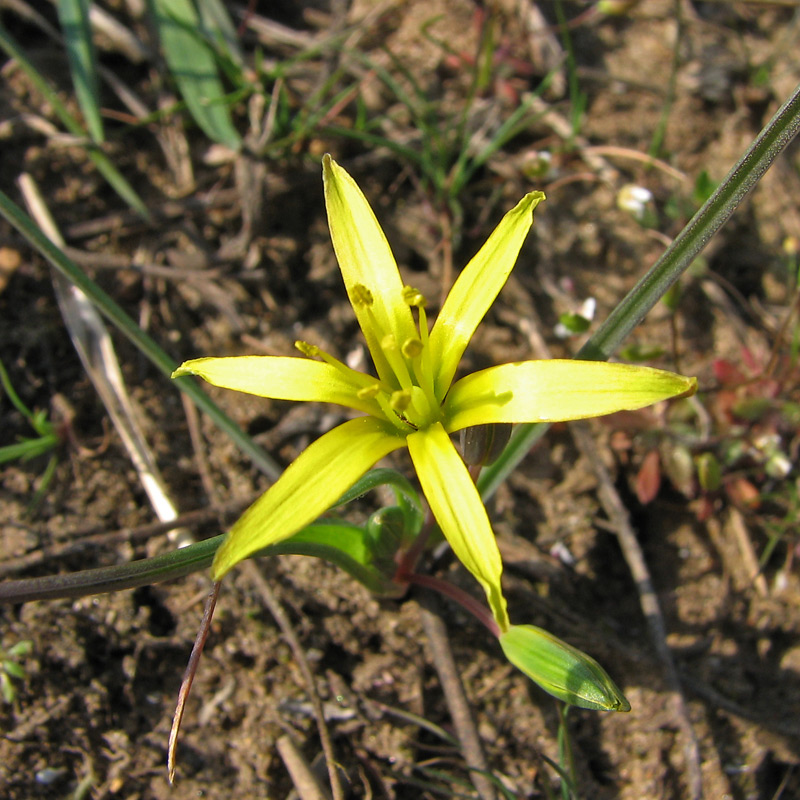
188, 678
94, 346
303, 778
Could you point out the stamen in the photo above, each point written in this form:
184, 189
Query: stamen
423, 325
420, 403
400, 401
390, 414
358, 378
413, 297
369, 392
395, 360
310, 350
418, 352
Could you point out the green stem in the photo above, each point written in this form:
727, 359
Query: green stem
168, 566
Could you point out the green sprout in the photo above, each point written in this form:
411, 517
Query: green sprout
11, 668
46, 441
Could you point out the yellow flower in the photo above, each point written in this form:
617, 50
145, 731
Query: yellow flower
413, 402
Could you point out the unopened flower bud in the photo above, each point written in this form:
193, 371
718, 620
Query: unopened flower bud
481, 445
561, 669
709, 473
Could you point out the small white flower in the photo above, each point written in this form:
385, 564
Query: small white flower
634, 199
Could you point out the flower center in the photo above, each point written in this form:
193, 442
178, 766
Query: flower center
413, 400
406, 396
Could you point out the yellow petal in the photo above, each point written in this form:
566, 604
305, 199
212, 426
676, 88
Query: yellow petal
476, 289
458, 509
282, 378
310, 486
366, 259
557, 390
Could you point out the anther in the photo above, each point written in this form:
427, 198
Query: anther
411, 348
413, 297
310, 350
369, 392
400, 401
361, 296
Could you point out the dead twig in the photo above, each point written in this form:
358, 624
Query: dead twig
441, 655
303, 778
255, 574
634, 557
188, 677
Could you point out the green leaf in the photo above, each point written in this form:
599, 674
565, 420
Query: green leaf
709, 472
7, 688
641, 352
704, 187
73, 15
28, 448
22, 648
574, 323
343, 544
405, 495
193, 65
14, 670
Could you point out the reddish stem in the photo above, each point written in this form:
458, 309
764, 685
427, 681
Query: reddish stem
465, 600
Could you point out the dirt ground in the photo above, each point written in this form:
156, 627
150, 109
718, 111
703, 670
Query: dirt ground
229, 269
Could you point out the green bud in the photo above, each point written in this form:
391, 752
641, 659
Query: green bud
482, 444
709, 473
561, 669
385, 533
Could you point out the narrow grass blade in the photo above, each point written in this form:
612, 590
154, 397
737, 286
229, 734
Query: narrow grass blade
74, 18
218, 26
104, 166
193, 65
